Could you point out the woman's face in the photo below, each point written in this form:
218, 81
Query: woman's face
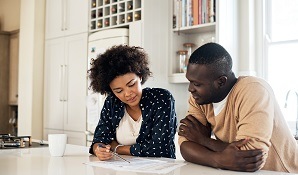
127, 88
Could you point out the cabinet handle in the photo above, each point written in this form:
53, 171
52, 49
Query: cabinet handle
61, 82
65, 83
62, 16
89, 133
66, 15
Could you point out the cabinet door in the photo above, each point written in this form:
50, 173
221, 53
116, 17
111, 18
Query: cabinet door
13, 69
76, 61
4, 73
53, 84
46, 132
54, 18
66, 17
76, 138
76, 17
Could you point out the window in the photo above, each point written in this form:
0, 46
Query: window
281, 54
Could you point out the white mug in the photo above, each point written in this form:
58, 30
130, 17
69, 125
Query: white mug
57, 144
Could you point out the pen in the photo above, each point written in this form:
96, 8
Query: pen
115, 154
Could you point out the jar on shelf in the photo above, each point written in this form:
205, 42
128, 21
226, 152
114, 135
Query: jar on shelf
99, 13
182, 55
107, 23
93, 3
189, 48
99, 24
129, 7
137, 16
129, 18
114, 10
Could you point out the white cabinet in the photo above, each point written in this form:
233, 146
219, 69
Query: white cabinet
65, 84
66, 17
73, 137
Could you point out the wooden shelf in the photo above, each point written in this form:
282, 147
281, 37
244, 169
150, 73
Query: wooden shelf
178, 78
208, 27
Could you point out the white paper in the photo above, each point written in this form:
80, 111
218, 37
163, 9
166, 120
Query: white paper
138, 164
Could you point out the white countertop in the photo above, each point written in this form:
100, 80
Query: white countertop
37, 161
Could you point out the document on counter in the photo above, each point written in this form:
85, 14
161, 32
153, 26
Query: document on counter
138, 164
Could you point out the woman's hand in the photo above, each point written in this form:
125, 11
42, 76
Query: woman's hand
103, 152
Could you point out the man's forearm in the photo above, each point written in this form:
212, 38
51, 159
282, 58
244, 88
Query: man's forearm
231, 158
196, 153
214, 145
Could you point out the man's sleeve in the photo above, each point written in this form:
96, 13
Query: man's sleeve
256, 116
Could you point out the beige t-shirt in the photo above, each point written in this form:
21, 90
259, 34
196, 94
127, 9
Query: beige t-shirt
252, 111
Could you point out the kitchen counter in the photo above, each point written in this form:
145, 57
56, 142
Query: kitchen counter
37, 161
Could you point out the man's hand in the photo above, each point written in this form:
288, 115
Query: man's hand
233, 158
193, 130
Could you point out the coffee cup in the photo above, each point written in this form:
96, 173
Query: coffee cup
57, 144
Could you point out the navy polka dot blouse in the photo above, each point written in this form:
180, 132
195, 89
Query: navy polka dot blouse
156, 137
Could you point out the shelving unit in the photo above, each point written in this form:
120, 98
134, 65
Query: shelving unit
106, 14
196, 34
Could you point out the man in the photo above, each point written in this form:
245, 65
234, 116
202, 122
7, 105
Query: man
242, 113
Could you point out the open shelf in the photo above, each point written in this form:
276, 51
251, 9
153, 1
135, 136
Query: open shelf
105, 14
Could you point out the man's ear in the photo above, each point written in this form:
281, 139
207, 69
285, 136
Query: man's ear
221, 81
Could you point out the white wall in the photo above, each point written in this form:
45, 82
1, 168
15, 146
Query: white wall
9, 15
31, 68
157, 25
250, 37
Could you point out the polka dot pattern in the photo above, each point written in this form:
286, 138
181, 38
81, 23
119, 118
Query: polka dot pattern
156, 137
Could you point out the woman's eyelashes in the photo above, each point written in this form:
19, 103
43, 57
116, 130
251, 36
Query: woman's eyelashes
117, 91
120, 90
131, 85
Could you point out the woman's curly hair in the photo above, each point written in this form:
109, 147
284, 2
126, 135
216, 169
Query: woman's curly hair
116, 61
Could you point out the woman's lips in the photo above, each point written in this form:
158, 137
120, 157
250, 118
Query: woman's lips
132, 99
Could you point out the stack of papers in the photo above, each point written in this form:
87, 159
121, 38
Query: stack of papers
138, 164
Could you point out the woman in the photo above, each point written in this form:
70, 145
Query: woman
133, 121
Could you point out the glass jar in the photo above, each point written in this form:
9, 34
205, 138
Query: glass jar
182, 55
188, 47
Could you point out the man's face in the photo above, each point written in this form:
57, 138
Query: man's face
202, 84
